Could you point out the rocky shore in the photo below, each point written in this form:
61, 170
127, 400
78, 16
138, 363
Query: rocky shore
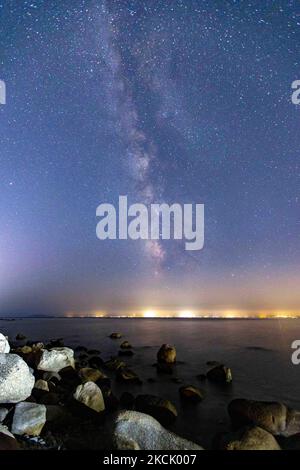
56, 397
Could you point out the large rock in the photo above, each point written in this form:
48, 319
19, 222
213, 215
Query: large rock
162, 410
272, 416
56, 359
90, 395
29, 418
220, 374
191, 394
89, 374
249, 438
7, 440
139, 431
16, 380
166, 354
4, 344
3, 413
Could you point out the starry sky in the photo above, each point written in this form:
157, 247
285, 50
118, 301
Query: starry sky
184, 101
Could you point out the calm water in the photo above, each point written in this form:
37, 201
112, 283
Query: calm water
258, 351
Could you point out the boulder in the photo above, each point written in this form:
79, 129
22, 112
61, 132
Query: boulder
162, 410
271, 416
16, 380
220, 374
29, 418
191, 394
4, 344
88, 374
116, 335
166, 354
114, 364
125, 345
42, 385
126, 375
56, 359
139, 431
249, 438
7, 440
90, 395
20, 337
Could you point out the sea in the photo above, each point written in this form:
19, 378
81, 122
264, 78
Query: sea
258, 351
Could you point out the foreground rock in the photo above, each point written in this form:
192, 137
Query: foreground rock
220, 374
191, 394
29, 418
274, 417
162, 410
166, 354
90, 395
56, 359
16, 380
4, 344
42, 385
249, 438
7, 440
89, 374
139, 431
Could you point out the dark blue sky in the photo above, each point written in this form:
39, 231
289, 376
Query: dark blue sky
163, 101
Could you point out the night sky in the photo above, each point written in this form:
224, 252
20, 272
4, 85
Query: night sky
164, 101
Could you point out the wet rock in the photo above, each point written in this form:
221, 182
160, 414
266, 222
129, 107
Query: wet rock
69, 377
42, 385
127, 400
220, 374
125, 345
271, 416
89, 374
20, 337
4, 344
56, 359
191, 394
25, 350
116, 335
16, 380
95, 362
90, 395
248, 438
133, 430
29, 418
162, 410
110, 400
114, 364
127, 375
166, 354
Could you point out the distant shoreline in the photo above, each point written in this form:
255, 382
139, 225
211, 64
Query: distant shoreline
115, 317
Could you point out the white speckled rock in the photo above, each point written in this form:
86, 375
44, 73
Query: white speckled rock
29, 418
16, 380
4, 344
56, 359
134, 430
90, 395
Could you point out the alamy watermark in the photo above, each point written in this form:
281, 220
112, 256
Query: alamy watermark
153, 222
2, 92
296, 94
